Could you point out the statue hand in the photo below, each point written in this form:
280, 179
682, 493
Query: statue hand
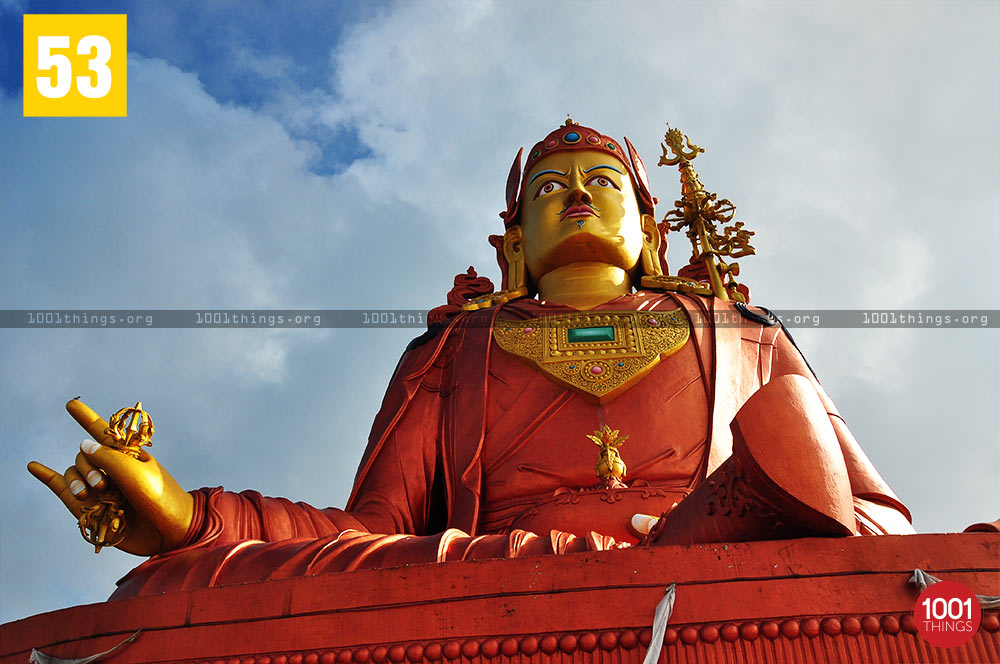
158, 511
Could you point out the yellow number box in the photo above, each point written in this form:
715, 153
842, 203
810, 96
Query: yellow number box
74, 65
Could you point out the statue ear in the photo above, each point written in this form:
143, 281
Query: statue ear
513, 251
513, 188
641, 179
651, 265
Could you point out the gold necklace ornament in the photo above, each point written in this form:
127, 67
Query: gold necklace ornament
500, 297
103, 523
676, 284
600, 354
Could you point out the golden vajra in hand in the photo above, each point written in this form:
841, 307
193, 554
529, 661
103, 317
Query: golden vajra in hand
103, 523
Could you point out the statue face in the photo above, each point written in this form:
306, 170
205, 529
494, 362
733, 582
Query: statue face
579, 206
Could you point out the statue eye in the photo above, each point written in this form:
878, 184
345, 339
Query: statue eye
602, 181
548, 187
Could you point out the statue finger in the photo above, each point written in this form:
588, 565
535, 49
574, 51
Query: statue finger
93, 475
93, 423
115, 465
106, 457
57, 484
47, 476
77, 486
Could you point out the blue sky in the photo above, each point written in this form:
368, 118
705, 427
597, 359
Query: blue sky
354, 155
237, 49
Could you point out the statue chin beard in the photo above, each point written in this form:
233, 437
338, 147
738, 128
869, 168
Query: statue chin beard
588, 270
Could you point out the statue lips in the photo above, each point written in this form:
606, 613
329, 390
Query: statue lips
579, 211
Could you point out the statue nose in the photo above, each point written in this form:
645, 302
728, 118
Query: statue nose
578, 196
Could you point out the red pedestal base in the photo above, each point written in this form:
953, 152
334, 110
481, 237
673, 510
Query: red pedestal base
808, 600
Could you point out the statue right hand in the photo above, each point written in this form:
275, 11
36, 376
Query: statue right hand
158, 512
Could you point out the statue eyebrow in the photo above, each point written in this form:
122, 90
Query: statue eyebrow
593, 168
540, 173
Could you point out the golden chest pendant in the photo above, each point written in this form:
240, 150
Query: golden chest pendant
600, 354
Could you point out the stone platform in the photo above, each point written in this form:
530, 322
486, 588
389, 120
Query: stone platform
807, 600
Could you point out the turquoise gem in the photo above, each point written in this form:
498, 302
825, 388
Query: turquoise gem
580, 334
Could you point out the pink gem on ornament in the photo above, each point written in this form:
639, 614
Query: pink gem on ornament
529, 330
597, 370
653, 321
552, 143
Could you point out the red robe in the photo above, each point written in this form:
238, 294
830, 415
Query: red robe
476, 455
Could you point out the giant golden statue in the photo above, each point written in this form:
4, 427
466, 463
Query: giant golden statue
708, 423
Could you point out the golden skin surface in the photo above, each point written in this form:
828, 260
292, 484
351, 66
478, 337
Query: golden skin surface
582, 231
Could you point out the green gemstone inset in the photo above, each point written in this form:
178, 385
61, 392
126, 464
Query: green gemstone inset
580, 334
